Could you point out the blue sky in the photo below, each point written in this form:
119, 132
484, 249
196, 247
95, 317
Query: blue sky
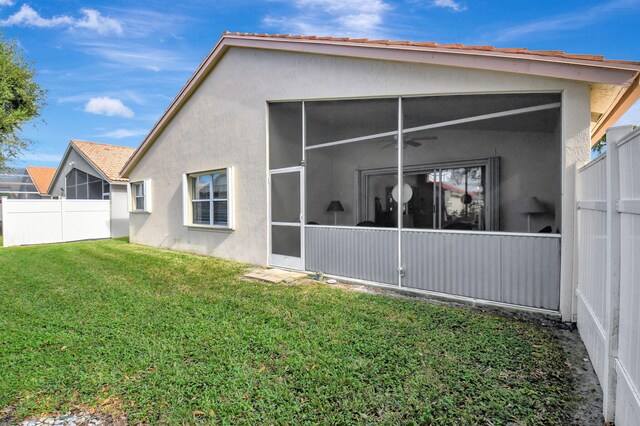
111, 68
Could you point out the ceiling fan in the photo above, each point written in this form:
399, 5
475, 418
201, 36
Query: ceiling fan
414, 142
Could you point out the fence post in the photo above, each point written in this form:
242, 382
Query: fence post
612, 281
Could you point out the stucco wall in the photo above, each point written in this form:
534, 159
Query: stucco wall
224, 124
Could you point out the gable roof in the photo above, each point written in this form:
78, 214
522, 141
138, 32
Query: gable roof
108, 159
618, 80
41, 177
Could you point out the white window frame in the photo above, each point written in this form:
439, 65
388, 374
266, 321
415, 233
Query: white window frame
187, 200
146, 196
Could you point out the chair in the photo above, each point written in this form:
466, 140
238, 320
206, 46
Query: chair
366, 223
460, 226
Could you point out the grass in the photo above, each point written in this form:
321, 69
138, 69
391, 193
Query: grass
172, 338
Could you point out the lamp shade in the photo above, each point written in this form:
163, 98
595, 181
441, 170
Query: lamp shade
335, 206
407, 193
532, 205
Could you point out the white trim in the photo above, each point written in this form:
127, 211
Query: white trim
187, 201
284, 170
209, 228
286, 224
146, 196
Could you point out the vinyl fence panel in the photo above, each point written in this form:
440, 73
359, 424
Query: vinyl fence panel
628, 362
608, 290
53, 221
592, 237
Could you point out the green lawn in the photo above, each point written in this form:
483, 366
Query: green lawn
166, 337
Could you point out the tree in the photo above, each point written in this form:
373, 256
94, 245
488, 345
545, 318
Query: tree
21, 100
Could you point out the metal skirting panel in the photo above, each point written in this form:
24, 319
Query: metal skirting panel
365, 254
531, 271
519, 270
513, 269
460, 264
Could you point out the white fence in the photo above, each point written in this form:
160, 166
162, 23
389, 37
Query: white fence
608, 291
54, 221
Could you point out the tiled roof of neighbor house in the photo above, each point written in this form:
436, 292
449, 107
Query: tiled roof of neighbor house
109, 159
431, 44
41, 177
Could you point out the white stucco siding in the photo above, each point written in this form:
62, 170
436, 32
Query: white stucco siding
224, 124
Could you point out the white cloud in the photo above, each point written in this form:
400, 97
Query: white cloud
6, 3
450, 4
28, 17
567, 22
109, 107
92, 20
123, 133
139, 56
353, 18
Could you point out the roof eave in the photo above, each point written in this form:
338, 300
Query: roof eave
627, 97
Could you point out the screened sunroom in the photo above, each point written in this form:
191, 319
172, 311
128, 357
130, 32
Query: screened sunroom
458, 195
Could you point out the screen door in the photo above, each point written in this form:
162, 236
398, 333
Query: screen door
286, 218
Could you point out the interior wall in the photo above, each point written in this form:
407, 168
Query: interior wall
529, 166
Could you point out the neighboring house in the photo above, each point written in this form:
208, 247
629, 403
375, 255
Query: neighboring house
25, 183
90, 171
286, 151
41, 178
